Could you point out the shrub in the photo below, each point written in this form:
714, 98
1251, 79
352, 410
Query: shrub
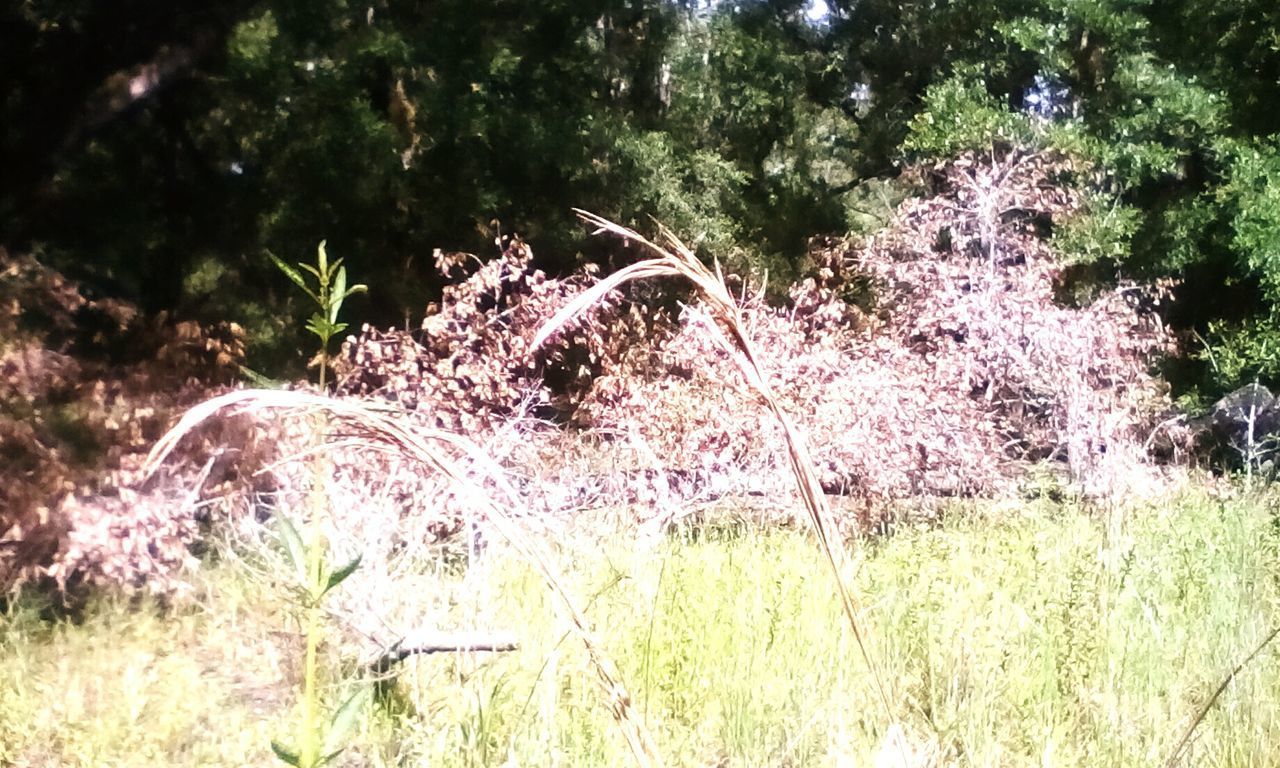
967, 369
85, 386
470, 366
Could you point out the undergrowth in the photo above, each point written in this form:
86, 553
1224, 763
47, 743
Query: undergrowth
1041, 634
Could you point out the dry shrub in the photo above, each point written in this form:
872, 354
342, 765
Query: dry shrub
470, 369
470, 366
75, 423
968, 368
969, 281
965, 369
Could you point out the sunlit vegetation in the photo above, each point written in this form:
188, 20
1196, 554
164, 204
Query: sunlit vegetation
801, 382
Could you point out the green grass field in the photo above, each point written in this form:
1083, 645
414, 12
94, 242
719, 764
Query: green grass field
1039, 634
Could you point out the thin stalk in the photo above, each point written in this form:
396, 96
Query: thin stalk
1176, 755
310, 749
674, 259
317, 504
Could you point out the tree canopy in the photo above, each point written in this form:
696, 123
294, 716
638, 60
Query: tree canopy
160, 151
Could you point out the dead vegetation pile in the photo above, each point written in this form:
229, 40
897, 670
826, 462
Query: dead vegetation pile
470, 366
962, 370
74, 431
965, 369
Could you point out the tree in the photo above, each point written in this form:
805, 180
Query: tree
1154, 95
179, 158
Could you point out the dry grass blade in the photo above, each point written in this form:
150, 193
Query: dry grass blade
424, 446
1176, 755
676, 260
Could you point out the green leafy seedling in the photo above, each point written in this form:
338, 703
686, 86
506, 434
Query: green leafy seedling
328, 295
317, 744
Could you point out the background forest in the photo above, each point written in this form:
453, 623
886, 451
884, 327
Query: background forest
158, 152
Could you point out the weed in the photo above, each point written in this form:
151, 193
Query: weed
328, 295
314, 744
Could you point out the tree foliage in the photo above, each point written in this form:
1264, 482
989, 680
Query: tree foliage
1168, 102
184, 141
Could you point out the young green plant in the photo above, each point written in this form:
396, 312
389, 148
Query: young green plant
328, 295
316, 745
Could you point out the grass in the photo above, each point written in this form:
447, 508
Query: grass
672, 258
1040, 634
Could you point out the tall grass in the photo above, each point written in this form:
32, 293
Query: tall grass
1018, 636
672, 258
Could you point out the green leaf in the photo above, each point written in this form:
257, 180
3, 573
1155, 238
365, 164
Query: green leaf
343, 720
322, 258
293, 275
361, 288
292, 758
293, 546
340, 575
320, 326
339, 293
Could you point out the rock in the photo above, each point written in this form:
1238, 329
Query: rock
1249, 413
1247, 416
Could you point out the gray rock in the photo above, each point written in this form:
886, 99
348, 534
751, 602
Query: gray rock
1229, 419
1222, 436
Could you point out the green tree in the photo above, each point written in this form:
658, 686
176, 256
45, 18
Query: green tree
394, 128
1167, 100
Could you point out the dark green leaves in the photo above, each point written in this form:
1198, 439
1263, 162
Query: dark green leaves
340, 575
285, 754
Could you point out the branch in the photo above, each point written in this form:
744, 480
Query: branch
445, 642
128, 87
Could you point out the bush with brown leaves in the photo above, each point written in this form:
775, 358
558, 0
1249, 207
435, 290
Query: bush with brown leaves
962, 371
469, 367
75, 425
968, 369
965, 371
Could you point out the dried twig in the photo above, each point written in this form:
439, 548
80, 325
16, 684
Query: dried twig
425, 643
